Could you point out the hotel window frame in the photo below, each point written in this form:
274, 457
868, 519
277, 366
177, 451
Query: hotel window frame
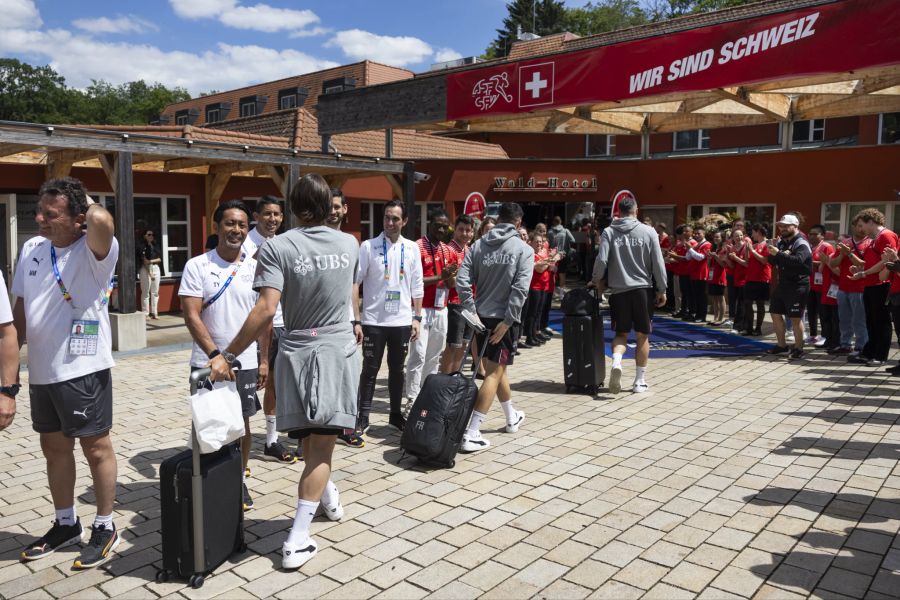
848, 210
702, 140
212, 111
894, 115
609, 145
698, 211
289, 94
816, 132
248, 108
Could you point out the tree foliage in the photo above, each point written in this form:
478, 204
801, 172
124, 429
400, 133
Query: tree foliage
603, 16
543, 17
40, 95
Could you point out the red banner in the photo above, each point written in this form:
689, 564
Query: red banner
843, 36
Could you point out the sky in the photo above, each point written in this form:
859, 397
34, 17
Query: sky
205, 45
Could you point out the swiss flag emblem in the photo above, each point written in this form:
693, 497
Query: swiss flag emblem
536, 84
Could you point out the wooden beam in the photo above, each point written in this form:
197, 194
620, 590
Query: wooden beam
58, 168
409, 199
230, 167
109, 164
215, 187
337, 181
814, 107
10, 149
396, 185
127, 268
669, 123
279, 175
776, 106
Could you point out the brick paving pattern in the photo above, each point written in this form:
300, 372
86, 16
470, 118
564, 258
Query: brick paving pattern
738, 477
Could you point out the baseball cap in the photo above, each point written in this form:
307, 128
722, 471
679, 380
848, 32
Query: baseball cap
789, 220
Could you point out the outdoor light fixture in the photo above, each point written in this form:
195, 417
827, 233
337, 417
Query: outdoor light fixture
338, 155
124, 137
189, 143
246, 149
294, 151
50, 130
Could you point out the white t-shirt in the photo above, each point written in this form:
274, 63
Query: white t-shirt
380, 303
48, 316
251, 245
202, 277
5, 308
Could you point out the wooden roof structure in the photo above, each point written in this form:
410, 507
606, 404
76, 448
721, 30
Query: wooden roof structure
787, 85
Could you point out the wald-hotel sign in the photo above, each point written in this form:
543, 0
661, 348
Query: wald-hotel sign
547, 184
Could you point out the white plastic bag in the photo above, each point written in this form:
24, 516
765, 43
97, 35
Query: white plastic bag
217, 416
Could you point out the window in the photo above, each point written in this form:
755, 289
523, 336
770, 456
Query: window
832, 219
169, 218
181, 117
888, 126
188, 116
809, 131
217, 112
248, 109
212, 115
752, 213
697, 139
252, 105
286, 101
600, 145
837, 216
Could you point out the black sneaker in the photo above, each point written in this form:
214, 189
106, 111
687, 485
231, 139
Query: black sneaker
247, 499
354, 439
103, 542
797, 353
58, 537
874, 362
756, 333
299, 451
777, 350
859, 359
840, 350
279, 452
894, 370
397, 420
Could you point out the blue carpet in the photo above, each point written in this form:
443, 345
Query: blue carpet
672, 338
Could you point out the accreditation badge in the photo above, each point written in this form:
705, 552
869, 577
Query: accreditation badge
817, 278
440, 297
392, 302
84, 333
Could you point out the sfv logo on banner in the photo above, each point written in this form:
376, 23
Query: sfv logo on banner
536, 84
490, 89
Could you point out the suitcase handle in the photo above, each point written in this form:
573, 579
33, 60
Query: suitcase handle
198, 376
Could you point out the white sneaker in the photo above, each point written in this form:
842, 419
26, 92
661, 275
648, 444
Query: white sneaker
810, 339
640, 387
294, 557
474, 443
514, 427
615, 380
334, 512
820, 341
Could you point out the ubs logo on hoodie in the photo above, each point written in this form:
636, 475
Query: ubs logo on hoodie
628, 241
498, 258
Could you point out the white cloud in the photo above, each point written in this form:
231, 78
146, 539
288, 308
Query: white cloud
20, 14
310, 32
445, 54
392, 50
258, 17
129, 24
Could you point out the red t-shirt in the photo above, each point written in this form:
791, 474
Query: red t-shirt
827, 280
455, 257
740, 271
846, 283
434, 257
681, 267
885, 238
699, 269
541, 281
665, 244
822, 250
895, 283
717, 273
756, 271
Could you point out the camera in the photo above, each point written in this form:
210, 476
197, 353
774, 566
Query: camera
419, 176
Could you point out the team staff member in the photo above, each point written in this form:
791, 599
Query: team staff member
313, 266
665, 244
63, 282
631, 261
831, 331
793, 259
217, 296
9, 360
499, 266
758, 279
426, 348
851, 310
459, 335
738, 255
269, 216
717, 280
390, 273
819, 246
681, 269
698, 272
875, 295
892, 271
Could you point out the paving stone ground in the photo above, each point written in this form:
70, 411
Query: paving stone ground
746, 477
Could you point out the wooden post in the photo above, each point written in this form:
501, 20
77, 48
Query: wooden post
290, 180
409, 198
388, 143
787, 135
123, 185
645, 139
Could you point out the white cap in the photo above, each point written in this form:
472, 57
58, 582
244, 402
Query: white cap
789, 220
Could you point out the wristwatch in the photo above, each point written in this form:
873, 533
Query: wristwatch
228, 356
355, 323
418, 318
10, 390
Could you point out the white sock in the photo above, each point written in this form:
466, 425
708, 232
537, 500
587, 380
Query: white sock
271, 432
509, 410
475, 423
66, 516
639, 374
103, 521
331, 496
299, 534
617, 360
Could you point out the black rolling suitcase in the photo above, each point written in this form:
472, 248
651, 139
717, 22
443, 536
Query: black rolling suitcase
440, 415
201, 500
584, 361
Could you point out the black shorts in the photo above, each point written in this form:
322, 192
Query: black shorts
789, 301
632, 310
714, 289
501, 353
245, 381
79, 408
277, 332
458, 331
756, 290
300, 434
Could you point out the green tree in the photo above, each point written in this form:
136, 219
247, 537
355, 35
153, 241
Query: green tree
660, 10
603, 16
31, 94
543, 17
132, 103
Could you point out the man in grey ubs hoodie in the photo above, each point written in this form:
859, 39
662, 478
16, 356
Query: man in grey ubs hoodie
631, 262
499, 267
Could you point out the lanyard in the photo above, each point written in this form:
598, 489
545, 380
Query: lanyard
104, 294
384, 251
433, 261
225, 285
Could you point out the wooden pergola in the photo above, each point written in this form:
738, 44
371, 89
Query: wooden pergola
120, 153
776, 93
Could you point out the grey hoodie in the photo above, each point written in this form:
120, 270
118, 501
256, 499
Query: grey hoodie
630, 257
561, 239
499, 267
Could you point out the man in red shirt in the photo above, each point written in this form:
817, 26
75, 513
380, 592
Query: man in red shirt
698, 271
875, 294
892, 266
851, 310
425, 350
680, 267
759, 277
459, 335
828, 296
819, 247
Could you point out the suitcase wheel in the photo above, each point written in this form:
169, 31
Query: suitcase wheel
162, 576
451, 464
196, 581
593, 390
569, 389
